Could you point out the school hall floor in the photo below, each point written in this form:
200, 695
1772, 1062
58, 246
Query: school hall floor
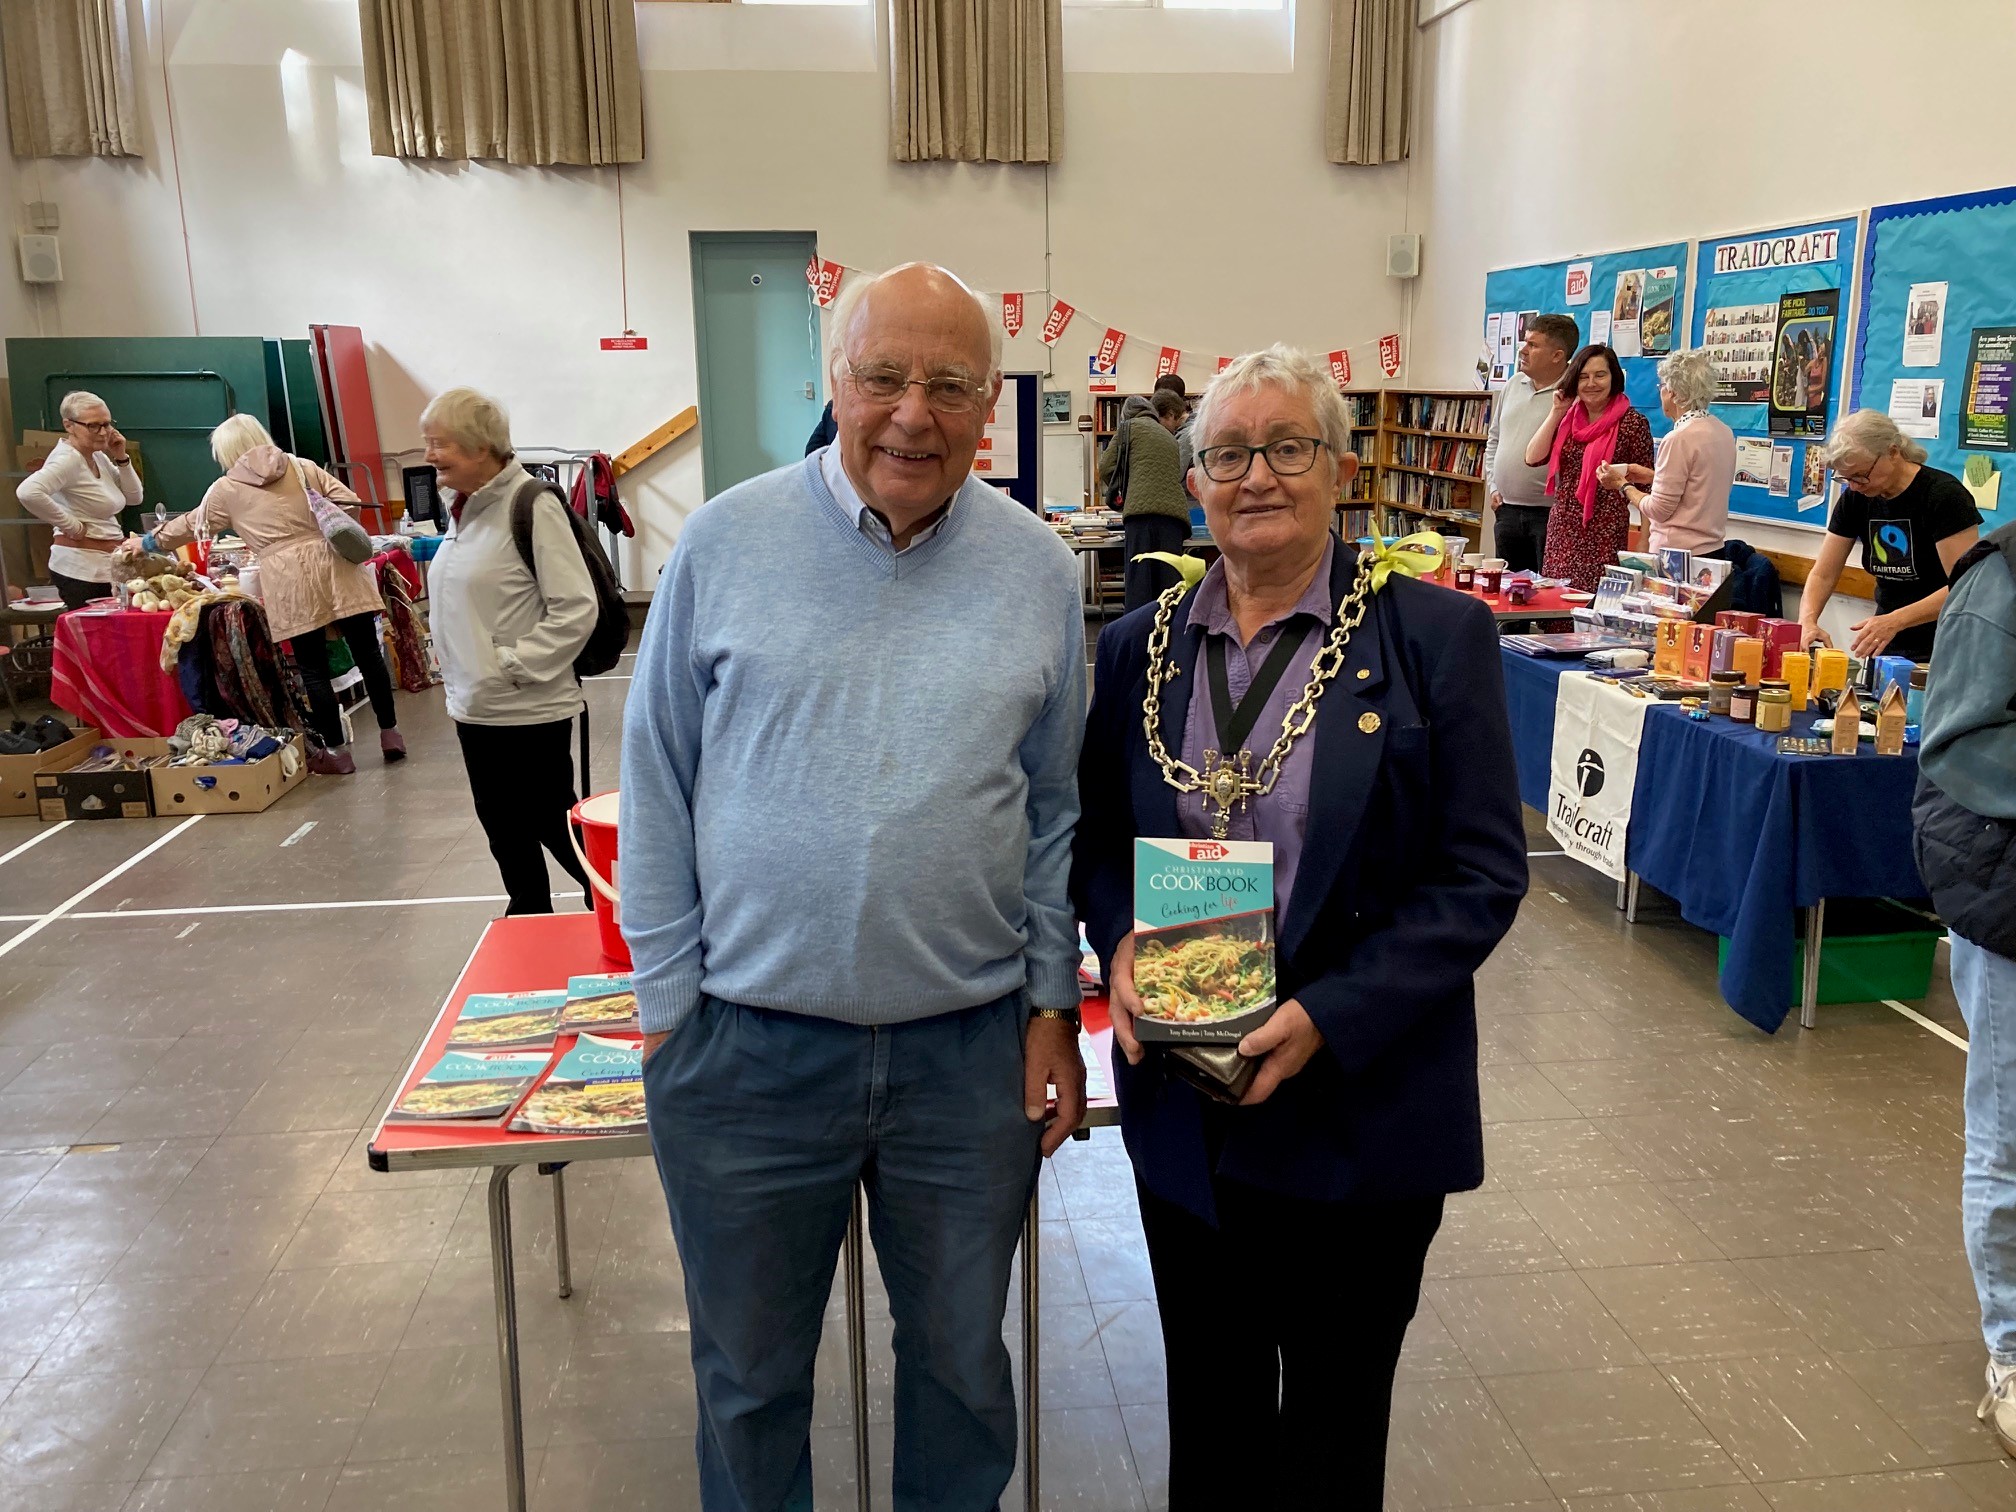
1710, 1271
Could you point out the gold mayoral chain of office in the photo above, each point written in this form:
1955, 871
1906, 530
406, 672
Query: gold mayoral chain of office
1230, 779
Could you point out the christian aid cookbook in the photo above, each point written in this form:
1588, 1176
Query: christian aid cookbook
1203, 939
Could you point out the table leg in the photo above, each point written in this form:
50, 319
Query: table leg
1809, 997
560, 1256
1630, 897
1032, 1434
504, 1286
857, 1348
1621, 889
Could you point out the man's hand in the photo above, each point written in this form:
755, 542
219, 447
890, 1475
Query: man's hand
1811, 633
1872, 635
1123, 1003
1050, 1057
653, 1041
1497, 501
1283, 1045
115, 446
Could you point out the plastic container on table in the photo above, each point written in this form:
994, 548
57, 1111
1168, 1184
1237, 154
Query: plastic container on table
1873, 949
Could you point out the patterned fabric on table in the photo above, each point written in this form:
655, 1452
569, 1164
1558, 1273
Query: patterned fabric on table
243, 675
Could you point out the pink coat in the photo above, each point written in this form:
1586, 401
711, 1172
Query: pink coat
302, 581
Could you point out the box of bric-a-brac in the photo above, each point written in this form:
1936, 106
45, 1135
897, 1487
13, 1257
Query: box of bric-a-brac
1203, 939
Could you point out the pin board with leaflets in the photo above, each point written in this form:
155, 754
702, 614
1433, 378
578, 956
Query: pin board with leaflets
1772, 306
1936, 343
1630, 301
1011, 443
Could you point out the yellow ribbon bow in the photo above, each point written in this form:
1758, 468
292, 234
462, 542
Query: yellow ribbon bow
1191, 568
1411, 556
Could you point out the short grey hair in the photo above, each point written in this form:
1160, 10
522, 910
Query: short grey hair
475, 422
1277, 367
854, 298
235, 437
1691, 377
1870, 433
79, 400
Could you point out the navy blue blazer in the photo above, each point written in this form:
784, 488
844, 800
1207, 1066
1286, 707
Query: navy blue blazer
1411, 873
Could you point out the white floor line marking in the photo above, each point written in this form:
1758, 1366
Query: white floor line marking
28, 845
1918, 1018
295, 838
112, 876
191, 929
250, 908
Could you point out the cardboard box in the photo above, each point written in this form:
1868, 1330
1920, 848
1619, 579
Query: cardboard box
100, 795
1779, 637
1700, 651
1890, 722
250, 788
1672, 653
17, 773
1847, 723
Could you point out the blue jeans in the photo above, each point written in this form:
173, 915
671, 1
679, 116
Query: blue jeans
1985, 984
762, 1124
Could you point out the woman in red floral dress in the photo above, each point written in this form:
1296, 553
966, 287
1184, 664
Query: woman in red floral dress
1591, 423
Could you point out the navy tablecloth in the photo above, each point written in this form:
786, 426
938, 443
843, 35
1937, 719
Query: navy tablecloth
1737, 835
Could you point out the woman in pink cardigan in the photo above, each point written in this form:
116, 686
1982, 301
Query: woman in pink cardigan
1687, 504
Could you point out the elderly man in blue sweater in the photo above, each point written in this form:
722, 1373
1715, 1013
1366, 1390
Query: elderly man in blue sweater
849, 786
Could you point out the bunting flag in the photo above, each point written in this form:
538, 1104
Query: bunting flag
1166, 363
1011, 314
1054, 323
1340, 367
1224, 363
1389, 355
825, 280
1109, 349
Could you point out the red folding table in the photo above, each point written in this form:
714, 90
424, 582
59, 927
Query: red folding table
535, 952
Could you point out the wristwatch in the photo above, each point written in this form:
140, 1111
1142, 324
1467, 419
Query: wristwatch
1069, 1015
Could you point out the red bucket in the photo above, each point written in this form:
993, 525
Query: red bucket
593, 820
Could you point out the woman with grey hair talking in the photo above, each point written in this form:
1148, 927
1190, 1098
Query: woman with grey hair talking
86, 481
1684, 494
507, 630
1914, 523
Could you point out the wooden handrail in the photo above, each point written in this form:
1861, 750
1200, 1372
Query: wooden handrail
1796, 569
657, 441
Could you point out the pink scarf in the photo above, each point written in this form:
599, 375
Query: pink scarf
1599, 445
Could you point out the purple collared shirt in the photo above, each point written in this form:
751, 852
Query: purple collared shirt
1282, 816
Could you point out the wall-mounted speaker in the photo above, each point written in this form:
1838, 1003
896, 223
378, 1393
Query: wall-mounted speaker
1403, 255
41, 260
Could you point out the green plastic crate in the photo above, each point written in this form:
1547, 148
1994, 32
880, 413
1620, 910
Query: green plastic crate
1872, 949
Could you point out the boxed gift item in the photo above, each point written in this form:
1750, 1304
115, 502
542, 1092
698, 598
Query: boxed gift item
1203, 939
1890, 721
1779, 636
1847, 723
1671, 656
1700, 654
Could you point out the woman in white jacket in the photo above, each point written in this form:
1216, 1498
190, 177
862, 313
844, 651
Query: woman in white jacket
507, 638
87, 480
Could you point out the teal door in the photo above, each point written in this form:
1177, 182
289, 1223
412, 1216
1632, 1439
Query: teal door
758, 333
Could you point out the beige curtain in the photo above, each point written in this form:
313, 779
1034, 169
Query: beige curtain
528, 81
69, 68
977, 81
1368, 105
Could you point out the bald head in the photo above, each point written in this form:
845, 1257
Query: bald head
917, 296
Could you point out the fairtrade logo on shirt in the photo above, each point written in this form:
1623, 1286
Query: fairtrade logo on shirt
1889, 552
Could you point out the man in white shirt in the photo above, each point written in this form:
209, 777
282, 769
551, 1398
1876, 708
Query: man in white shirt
87, 480
1519, 501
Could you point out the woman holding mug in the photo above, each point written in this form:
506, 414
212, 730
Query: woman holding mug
1591, 424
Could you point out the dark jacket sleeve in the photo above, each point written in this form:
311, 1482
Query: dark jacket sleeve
1102, 872
1421, 955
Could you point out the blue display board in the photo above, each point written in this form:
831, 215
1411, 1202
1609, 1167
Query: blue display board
1962, 241
1758, 269
1544, 287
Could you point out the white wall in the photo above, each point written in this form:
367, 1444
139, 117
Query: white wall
1555, 127
756, 118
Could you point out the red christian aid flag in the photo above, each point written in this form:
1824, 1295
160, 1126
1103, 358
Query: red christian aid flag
1389, 355
826, 287
1109, 349
1054, 323
1224, 363
1340, 367
1166, 363
1011, 314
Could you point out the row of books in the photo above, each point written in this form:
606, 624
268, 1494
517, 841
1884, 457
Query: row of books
1442, 495
499, 1070
1438, 455
1364, 410
1424, 412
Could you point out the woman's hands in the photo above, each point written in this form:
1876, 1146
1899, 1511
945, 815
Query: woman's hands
1123, 1003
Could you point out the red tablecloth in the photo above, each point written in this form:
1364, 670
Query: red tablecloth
1546, 603
107, 671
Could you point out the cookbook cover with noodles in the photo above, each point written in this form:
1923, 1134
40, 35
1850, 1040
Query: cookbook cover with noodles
605, 1004
1203, 939
470, 1088
507, 1020
595, 1088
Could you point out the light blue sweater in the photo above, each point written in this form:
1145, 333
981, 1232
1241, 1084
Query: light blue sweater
850, 776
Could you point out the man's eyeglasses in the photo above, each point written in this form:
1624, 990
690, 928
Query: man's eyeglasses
945, 394
1287, 457
94, 426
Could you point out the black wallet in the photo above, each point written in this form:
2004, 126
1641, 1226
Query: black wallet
1218, 1071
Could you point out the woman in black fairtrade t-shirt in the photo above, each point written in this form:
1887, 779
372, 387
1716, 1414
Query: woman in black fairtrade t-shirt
1913, 522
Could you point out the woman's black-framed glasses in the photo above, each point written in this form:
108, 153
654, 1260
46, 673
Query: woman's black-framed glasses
946, 394
1287, 456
